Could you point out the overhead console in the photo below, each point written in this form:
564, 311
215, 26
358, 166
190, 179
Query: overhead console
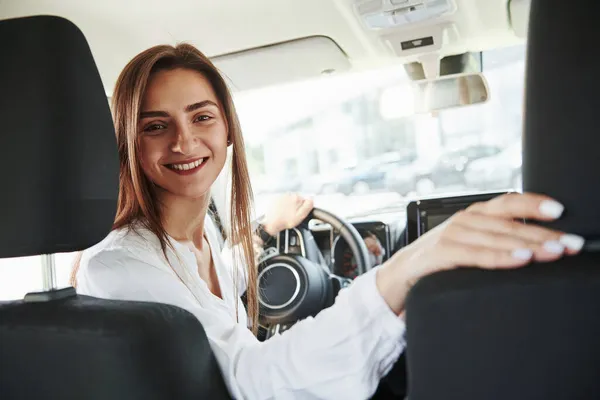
386, 14
411, 28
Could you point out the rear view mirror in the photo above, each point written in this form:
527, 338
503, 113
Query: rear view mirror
449, 92
427, 96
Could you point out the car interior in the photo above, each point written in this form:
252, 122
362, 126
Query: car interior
392, 114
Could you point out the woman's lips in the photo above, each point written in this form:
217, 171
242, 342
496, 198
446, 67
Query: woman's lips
188, 168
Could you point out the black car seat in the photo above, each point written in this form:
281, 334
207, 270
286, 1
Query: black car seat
531, 333
59, 171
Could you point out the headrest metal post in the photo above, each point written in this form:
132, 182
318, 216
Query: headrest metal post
48, 272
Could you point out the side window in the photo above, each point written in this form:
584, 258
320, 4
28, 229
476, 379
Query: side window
22, 275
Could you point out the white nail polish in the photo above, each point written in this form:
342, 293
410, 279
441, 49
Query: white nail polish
572, 242
551, 208
522, 254
554, 246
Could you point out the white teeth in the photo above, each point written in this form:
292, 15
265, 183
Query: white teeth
188, 166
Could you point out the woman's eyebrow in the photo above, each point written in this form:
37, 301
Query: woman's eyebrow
190, 108
200, 104
152, 114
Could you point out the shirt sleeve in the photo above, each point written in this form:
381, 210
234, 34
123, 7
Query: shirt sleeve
342, 353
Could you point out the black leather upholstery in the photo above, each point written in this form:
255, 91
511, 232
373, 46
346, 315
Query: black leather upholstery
532, 333
59, 166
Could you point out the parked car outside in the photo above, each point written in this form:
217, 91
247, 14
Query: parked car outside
502, 171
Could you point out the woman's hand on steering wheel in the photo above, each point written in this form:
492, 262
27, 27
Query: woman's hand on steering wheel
286, 212
486, 235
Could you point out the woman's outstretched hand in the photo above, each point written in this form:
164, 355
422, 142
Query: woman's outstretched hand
486, 235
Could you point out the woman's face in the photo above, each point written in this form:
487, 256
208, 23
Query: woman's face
183, 133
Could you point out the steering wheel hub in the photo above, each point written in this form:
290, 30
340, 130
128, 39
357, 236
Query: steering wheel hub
281, 286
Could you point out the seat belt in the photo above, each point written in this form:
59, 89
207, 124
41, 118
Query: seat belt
214, 215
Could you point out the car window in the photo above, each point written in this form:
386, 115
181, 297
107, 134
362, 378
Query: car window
21, 275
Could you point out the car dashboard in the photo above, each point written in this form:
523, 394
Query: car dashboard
376, 232
384, 234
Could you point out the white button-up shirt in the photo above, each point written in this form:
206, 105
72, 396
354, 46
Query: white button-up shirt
342, 353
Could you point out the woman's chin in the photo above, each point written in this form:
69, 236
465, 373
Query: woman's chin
194, 194
190, 193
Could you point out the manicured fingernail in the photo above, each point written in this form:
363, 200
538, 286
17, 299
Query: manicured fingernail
572, 242
551, 208
522, 254
554, 246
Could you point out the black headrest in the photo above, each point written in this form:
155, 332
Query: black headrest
528, 333
561, 139
58, 154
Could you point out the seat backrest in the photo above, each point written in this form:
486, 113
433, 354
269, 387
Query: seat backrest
59, 166
531, 333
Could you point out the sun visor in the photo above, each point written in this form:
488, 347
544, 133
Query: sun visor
284, 62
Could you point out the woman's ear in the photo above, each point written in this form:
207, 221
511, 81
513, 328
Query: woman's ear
229, 141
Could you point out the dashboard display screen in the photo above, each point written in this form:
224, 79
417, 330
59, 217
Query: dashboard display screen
434, 220
424, 215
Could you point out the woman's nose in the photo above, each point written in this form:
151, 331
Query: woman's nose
183, 142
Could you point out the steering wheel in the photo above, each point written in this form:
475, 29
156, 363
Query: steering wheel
292, 286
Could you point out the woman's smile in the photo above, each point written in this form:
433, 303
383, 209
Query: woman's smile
187, 167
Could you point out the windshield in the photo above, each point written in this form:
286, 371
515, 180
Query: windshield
330, 139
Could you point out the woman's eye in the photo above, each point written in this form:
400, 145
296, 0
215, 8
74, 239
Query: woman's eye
154, 128
202, 118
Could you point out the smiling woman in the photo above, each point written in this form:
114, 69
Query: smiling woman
164, 246
171, 109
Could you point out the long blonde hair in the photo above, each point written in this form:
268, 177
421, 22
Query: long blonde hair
137, 201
